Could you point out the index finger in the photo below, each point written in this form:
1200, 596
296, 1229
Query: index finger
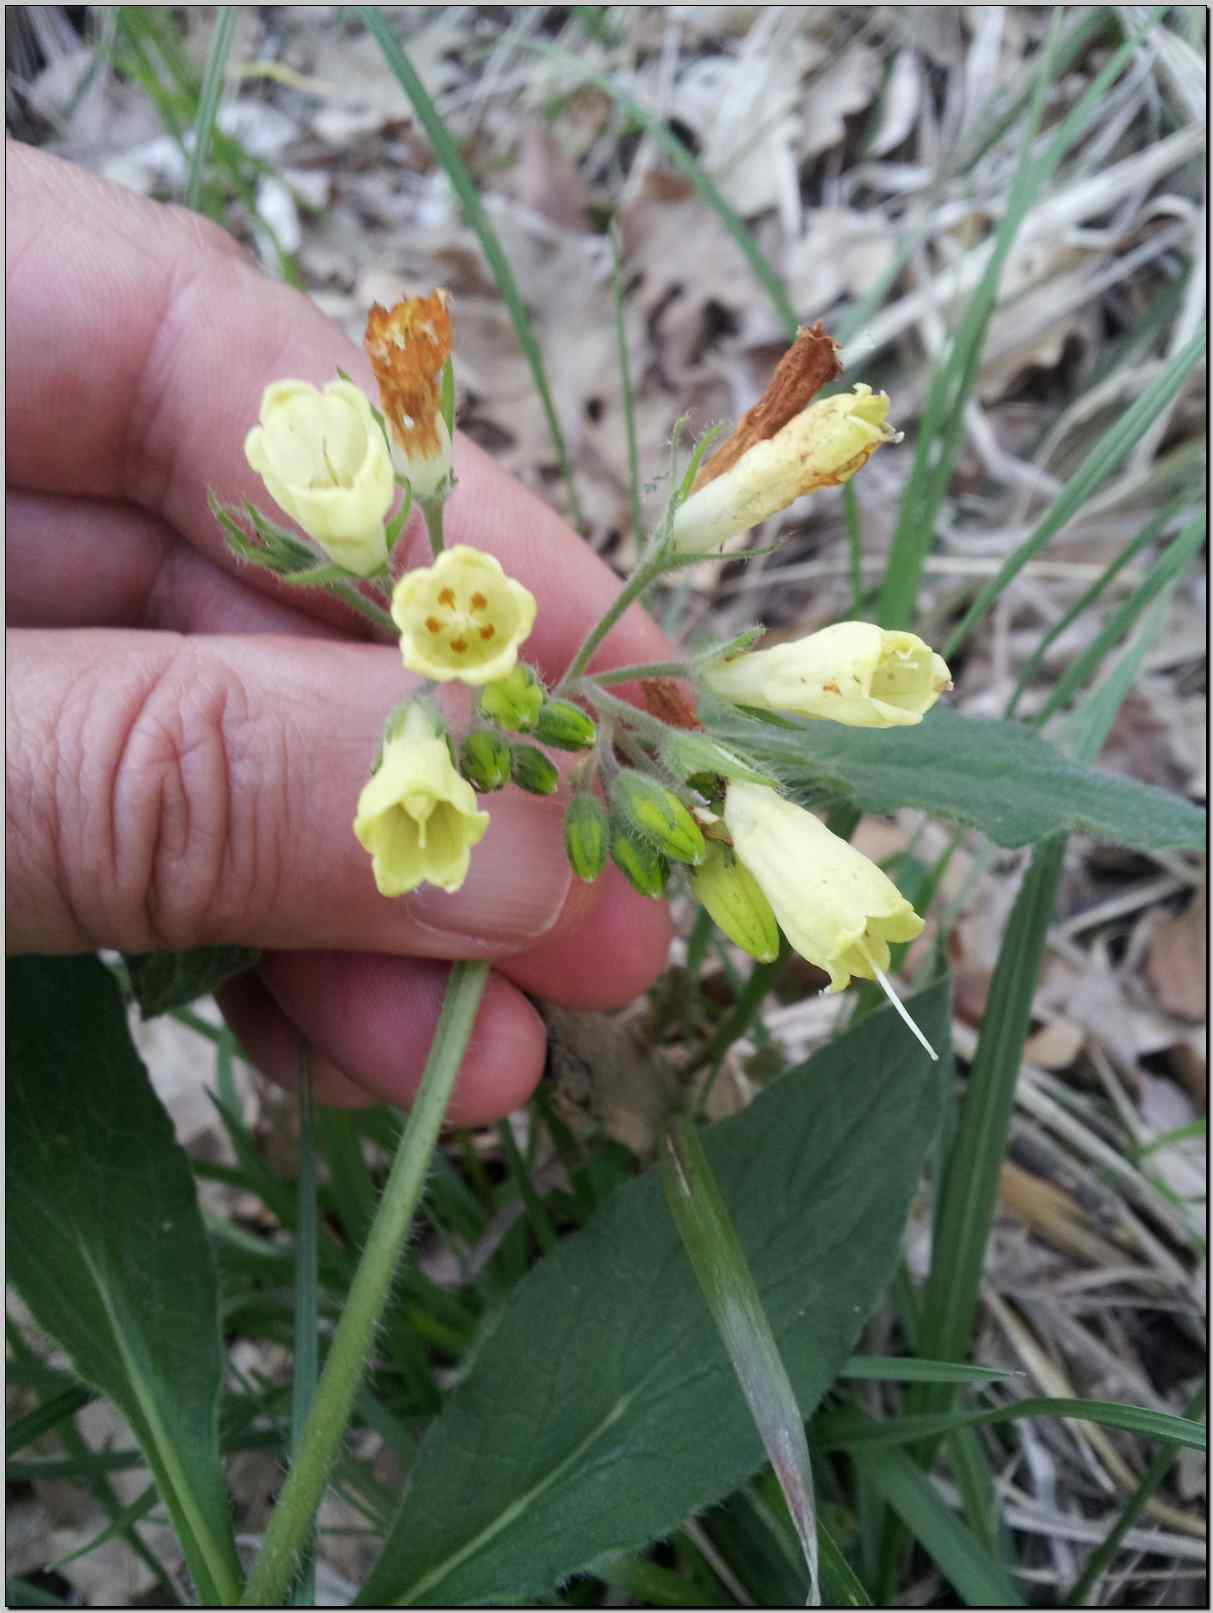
139, 341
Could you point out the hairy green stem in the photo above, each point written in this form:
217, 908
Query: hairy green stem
431, 508
646, 573
642, 669
349, 595
291, 1522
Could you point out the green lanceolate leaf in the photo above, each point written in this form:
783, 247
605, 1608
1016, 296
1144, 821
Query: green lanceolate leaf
1000, 777
162, 981
106, 1244
603, 1408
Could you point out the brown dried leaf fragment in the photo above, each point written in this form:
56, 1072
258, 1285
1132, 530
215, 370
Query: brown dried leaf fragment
808, 365
670, 702
408, 346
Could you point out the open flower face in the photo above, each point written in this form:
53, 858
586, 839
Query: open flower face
416, 816
408, 346
853, 673
822, 446
324, 461
835, 906
462, 617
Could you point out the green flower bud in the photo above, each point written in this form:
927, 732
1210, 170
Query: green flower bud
484, 760
643, 868
531, 770
733, 899
586, 834
565, 725
513, 702
658, 815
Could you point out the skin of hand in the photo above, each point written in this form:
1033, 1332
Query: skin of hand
187, 739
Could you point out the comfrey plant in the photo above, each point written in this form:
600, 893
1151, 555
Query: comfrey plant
653, 788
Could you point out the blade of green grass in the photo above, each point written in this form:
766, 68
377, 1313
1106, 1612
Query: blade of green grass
847, 1431
626, 393
683, 159
978, 1576
45, 1419
718, 1260
79, 1450
1107, 453
536, 1214
1152, 530
909, 1369
969, 1184
464, 186
1101, 1558
306, 1368
941, 427
208, 103
850, 506
1169, 566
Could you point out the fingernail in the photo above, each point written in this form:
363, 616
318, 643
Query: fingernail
518, 882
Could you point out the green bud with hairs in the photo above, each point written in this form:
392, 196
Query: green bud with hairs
513, 702
587, 835
644, 868
484, 760
655, 814
532, 771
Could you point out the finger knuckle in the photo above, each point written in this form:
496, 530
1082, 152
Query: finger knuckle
180, 807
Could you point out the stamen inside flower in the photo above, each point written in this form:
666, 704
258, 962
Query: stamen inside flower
453, 620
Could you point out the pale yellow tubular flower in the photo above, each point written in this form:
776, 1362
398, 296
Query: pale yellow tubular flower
462, 617
853, 673
835, 906
324, 461
416, 816
822, 446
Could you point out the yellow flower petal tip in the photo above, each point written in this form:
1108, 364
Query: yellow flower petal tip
835, 906
853, 673
822, 446
416, 816
324, 461
462, 617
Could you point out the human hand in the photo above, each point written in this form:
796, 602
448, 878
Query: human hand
186, 742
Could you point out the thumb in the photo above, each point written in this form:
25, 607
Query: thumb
168, 792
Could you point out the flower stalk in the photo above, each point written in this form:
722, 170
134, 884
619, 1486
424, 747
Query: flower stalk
345, 1368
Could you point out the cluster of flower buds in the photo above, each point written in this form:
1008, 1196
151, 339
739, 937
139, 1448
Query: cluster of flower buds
652, 791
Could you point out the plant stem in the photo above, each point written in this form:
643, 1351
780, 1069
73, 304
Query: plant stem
431, 508
345, 1367
350, 596
636, 584
643, 669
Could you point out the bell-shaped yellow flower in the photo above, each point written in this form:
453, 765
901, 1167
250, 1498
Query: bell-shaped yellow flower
325, 462
822, 446
853, 673
462, 617
416, 816
835, 906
